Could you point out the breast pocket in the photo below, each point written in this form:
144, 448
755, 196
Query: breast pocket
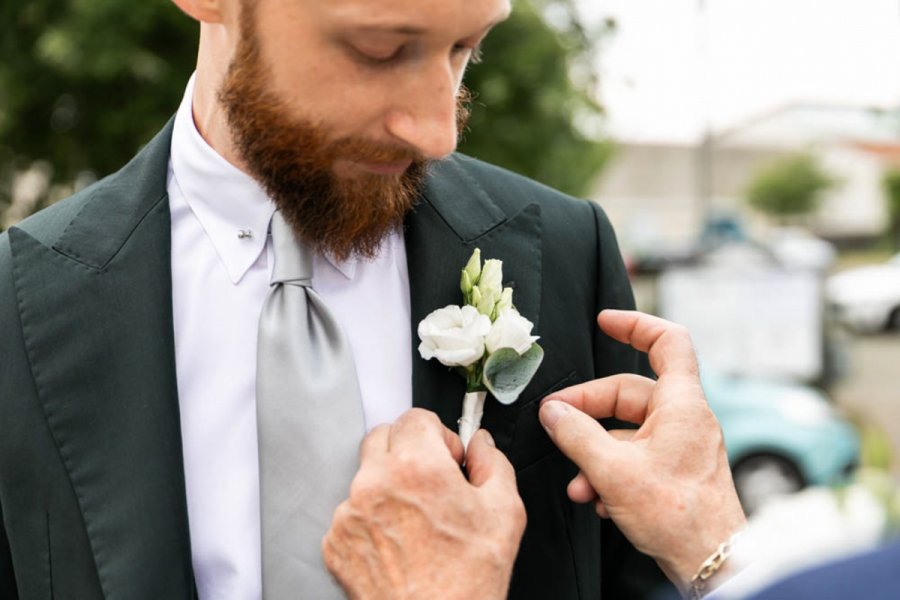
530, 443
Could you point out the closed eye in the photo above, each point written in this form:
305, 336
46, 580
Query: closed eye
375, 60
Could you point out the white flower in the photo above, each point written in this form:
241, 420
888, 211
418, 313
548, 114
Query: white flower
454, 335
510, 330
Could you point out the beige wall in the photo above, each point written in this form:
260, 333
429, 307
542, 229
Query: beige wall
650, 191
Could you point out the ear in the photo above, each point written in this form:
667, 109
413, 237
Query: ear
205, 11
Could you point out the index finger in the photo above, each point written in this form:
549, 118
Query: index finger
667, 344
625, 396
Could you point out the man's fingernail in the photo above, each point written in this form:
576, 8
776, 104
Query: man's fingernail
489, 439
548, 399
551, 411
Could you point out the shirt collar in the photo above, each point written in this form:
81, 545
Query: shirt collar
232, 208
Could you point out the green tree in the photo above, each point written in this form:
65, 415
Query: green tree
790, 187
85, 83
891, 185
533, 91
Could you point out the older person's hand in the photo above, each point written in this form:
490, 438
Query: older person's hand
667, 484
414, 525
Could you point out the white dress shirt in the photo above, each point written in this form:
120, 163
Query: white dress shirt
221, 265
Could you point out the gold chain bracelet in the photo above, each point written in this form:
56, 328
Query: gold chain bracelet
710, 567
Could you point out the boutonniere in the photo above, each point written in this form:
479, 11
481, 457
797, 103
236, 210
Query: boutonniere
485, 340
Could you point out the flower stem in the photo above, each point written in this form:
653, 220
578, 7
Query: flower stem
470, 421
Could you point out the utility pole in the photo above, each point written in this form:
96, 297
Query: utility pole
704, 155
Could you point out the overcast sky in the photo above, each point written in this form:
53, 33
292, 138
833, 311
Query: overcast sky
673, 67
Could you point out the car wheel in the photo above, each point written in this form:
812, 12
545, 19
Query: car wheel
762, 476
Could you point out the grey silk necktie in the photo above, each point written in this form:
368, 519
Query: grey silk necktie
309, 421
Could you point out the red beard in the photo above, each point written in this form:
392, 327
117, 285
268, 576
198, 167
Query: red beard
294, 162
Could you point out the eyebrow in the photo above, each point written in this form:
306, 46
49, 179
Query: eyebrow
414, 30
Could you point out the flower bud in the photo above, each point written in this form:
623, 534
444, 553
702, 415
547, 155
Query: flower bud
476, 296
465, 283
505, 301
486, 304
491, 277
473, 267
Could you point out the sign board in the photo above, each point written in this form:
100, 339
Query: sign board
764, 321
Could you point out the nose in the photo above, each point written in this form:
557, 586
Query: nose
424, 117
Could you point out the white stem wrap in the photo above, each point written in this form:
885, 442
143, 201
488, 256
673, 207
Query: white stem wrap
470, 421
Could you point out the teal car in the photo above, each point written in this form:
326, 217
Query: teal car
780, 436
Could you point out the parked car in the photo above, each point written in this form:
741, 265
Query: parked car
652, 257
790, 247
867, 299
798, 248
780, 437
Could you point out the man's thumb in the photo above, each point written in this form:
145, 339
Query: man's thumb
487, 465
579, 437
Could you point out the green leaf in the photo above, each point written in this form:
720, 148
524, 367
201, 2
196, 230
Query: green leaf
506, 373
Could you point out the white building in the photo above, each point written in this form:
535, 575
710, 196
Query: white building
662, 193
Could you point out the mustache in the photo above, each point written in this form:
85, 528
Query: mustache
365, 150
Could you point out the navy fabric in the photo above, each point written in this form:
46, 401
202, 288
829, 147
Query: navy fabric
874, 575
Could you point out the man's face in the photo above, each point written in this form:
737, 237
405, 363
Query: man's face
336, 105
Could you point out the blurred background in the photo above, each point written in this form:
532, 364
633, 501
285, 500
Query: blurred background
748, 154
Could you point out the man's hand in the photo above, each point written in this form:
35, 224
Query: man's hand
414, 527
667, 484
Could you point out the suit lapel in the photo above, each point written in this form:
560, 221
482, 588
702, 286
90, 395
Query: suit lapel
457, 215
97, 317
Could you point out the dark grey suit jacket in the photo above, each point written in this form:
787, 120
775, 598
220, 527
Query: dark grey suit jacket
92, 492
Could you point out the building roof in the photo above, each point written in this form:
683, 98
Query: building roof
799, 125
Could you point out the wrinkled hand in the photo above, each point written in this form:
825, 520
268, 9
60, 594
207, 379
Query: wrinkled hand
413, 524
666, 485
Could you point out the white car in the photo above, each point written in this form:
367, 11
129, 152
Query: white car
867, 299
798, 248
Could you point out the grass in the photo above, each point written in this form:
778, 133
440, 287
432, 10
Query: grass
849, 259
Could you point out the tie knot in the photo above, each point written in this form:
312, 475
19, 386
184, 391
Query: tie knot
293, 258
